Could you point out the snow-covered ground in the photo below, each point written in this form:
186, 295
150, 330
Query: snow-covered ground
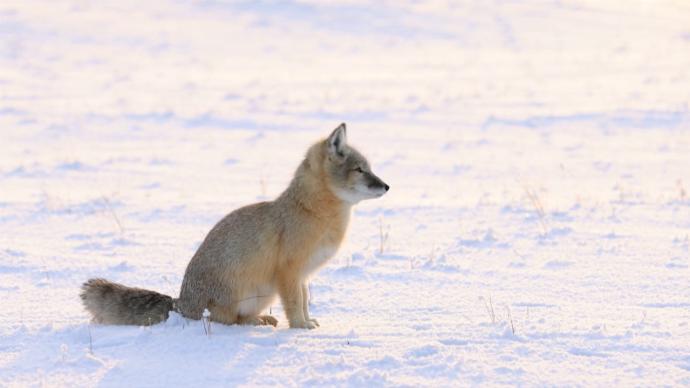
536, 232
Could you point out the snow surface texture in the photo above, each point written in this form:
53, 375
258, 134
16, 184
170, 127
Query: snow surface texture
537, 229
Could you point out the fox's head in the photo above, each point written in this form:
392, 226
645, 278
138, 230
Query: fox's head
349, 174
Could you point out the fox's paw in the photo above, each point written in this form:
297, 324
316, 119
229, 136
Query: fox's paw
314, 321
268, 320
261, 320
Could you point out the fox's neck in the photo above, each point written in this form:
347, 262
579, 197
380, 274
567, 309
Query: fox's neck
309, 190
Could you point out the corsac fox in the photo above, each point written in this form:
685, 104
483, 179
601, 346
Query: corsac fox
259, 251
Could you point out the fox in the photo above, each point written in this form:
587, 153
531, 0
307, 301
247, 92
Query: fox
258, 252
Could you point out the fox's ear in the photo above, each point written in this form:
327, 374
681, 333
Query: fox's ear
337, 140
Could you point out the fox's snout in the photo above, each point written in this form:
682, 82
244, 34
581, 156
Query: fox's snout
377, 184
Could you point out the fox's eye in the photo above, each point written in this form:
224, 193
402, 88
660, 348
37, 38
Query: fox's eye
359, 169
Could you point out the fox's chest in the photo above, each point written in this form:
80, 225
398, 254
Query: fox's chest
318, 258
325, 241
324, 250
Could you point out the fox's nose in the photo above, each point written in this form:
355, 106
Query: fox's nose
386, 187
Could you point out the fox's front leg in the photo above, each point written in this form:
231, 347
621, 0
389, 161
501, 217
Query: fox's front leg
305, 304
290, 290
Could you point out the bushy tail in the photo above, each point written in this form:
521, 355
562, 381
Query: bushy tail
114, 304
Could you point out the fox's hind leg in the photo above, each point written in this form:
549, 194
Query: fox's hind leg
224, 314
269, 320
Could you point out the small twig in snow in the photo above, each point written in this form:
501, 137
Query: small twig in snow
90, 339
539, 208
510, 319
490, 309
112, 212
206, 321
383, 237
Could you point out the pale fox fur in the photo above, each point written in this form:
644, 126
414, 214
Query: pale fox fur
259, 251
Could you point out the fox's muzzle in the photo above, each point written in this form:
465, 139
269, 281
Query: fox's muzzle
375, 183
